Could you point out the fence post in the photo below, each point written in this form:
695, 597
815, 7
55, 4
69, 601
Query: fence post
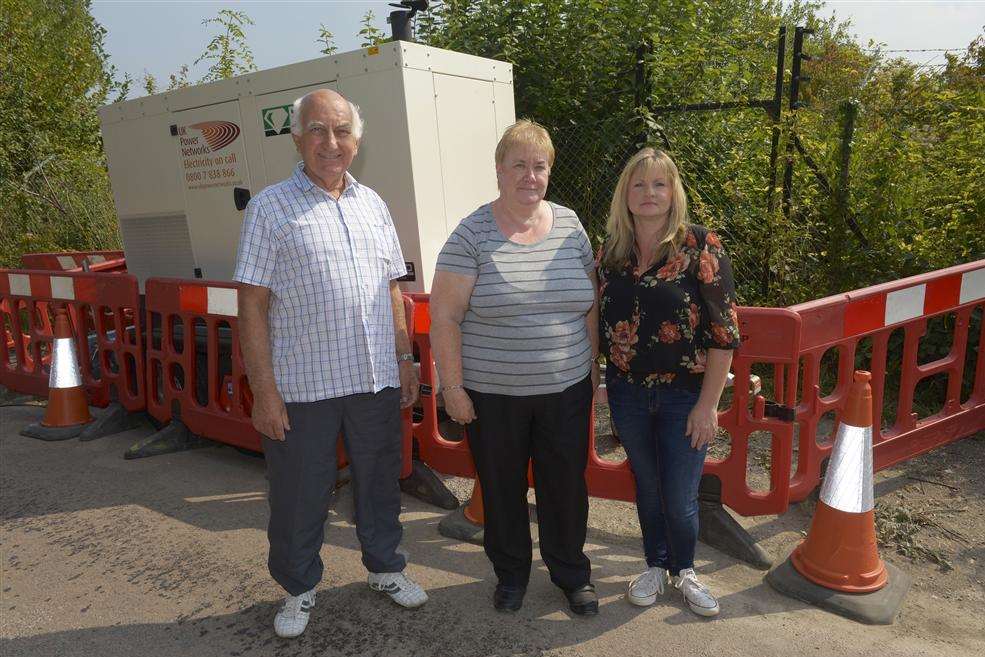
796, 78
849, 112
781, 47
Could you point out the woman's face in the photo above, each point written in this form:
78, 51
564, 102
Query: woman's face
523, 175
649, 194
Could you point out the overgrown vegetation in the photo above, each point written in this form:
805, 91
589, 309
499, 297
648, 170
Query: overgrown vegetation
54, 191
916, 182
54, 187
914, 186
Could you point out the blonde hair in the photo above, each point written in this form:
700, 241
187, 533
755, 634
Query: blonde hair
620, 234
525, 133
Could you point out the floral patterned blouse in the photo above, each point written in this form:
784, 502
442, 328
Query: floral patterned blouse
656, 326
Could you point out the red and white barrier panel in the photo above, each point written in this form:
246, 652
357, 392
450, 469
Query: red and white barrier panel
67, 261
44, 285
208, 300
847, 315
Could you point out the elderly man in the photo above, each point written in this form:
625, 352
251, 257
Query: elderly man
326, 348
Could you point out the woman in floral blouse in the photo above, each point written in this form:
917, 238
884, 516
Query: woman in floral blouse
667, 328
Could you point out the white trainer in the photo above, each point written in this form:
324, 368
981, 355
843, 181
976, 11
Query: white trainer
292, 618
643, 590
696, 594
401, 589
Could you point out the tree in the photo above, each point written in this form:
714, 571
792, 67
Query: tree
54, 192
179, 79
916, 179
228, 51
369, 33
149, 83
327, 39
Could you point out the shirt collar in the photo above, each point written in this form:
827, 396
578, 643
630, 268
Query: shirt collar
305, 183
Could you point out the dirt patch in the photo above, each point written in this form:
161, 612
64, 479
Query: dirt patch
930, 510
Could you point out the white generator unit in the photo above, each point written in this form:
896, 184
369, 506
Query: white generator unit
182, 163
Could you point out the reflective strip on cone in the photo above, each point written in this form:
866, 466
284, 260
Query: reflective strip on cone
65, 371
67, 403
848, 482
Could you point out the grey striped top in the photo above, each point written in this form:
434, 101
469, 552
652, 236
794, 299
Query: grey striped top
524, 332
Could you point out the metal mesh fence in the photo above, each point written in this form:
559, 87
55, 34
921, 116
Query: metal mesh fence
724, 160
589, 159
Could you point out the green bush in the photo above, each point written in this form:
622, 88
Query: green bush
54, 190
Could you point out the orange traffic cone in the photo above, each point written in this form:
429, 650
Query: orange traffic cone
840, 552
837, 566
68, 411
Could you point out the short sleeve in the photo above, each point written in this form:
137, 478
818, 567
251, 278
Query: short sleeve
257, 253
587, 257
397, 266
460, 254
719, 326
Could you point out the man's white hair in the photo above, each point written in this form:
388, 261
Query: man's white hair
300, 103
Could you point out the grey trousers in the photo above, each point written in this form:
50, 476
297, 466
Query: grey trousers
302, 472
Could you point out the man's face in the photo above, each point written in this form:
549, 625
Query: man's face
327, 143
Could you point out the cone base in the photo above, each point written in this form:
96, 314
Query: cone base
840, 552
51, 434
877, 608
67, 407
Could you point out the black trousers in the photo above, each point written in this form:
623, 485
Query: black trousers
552, 430
302, 474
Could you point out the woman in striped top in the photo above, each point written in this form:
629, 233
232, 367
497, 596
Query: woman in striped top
514, 328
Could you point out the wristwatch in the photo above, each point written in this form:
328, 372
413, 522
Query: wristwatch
408, 356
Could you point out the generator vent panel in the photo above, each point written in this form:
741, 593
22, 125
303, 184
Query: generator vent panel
157, 246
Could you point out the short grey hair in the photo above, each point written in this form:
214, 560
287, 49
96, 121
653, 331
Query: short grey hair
298, 105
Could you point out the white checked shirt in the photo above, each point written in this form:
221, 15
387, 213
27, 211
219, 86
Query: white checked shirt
328, 265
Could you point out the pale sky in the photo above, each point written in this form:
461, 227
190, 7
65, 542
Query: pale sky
159, 36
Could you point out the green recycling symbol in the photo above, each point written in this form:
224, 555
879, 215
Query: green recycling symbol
276, 120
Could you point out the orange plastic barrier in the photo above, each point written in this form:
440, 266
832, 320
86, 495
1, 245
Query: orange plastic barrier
71, 260
769, 336
195, 368
446, 456
103, 311
843, 321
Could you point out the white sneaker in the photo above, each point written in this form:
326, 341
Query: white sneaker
401, 589
643, 590
696, 594
292, 618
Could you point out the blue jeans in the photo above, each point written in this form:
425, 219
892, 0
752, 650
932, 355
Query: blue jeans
651, 423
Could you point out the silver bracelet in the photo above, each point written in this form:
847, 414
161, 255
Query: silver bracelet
454, 386
408, 356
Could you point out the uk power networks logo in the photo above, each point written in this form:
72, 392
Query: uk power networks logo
217, 134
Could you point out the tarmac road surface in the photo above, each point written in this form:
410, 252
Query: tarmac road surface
104, 557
